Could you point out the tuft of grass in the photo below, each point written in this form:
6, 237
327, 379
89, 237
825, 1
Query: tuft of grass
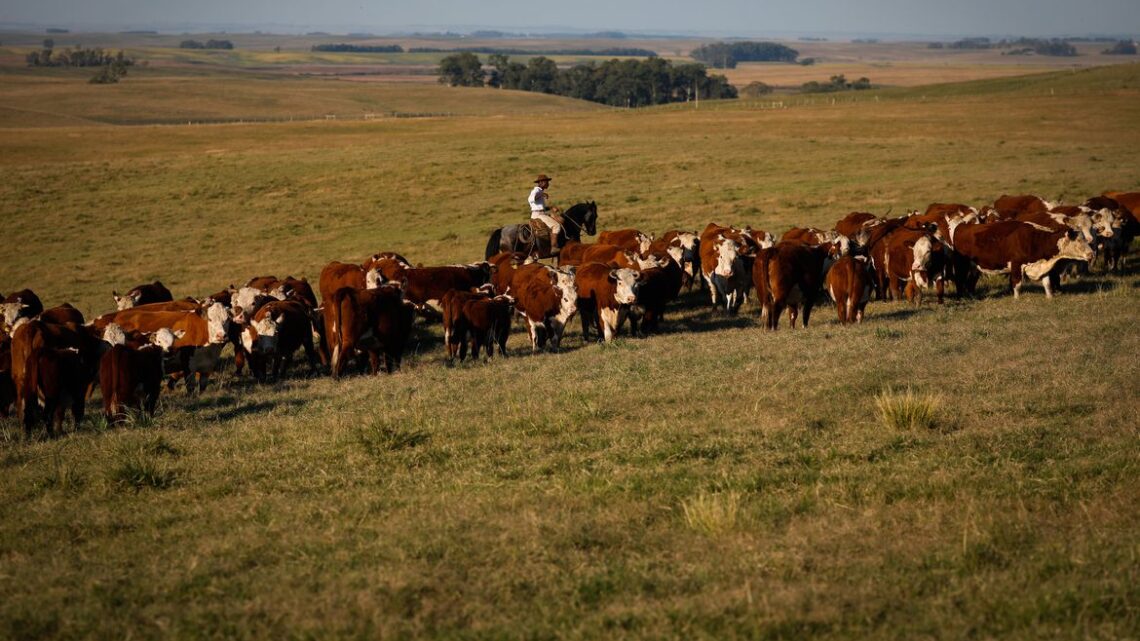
380, 436
908, 410
62, 474
712, 513
140, 467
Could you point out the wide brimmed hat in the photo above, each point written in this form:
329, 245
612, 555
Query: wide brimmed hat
541, 177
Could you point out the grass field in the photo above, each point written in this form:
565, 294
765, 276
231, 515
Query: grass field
715, 481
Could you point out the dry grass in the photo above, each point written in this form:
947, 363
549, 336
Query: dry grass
908, 410
546, 496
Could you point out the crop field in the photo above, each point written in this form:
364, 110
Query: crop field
713, 481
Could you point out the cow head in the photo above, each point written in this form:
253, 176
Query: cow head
1106, 223
113, 334
649, 262
245, 299
625, 285
565, 282
726, 257
373, 278
1073, 245
165, 338
261, 334
919, 268
12, 311
126, 301
218, 319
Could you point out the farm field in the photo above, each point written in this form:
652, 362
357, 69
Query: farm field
714, 481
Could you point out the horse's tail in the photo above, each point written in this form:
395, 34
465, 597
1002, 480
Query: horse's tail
494, 245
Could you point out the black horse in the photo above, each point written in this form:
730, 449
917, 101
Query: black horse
521, 238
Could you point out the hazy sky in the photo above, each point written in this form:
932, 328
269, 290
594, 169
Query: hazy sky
933, 17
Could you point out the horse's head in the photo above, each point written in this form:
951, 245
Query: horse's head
590, 220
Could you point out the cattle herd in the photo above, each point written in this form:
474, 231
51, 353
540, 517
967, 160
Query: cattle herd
51, 360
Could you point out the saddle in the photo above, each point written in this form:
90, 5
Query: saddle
537, 235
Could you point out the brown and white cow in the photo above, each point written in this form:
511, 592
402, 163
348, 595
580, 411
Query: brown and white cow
455, 322
628, 239
849, 283
154, 292
1020, 250
913, 256
604, 297
725, 268
790, 274
130, 377
274, 333
376, 322
336, 275
1009, 206
855, 222
390, 265
424, 287
65, 313
22, 304
685, 248
547, 299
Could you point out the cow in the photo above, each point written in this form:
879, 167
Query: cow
274, 333
849, 283
455, 326
790, 274
855, 222
913, 256
22, 304
65, 313
547, 299
489, 323
424, 287
52, 366
1010, 206
204, 333
154, 292
604, 297
336, 275
390, 265
613, 255
628, 239
807, 236
375, 321
725, 268
1018, 249
130, 376
656, 287
505, 264
685, 248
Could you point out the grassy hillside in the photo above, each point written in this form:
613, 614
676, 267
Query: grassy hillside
712, 482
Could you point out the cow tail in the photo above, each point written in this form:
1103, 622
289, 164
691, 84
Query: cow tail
494, 244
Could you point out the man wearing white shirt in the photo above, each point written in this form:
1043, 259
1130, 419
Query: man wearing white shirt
541, 210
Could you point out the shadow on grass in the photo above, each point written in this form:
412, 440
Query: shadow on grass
233, 410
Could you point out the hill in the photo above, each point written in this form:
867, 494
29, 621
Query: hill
715, 481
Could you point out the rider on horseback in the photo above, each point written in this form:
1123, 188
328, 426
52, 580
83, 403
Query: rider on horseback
542, 211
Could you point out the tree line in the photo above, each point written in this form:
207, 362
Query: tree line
77, 57
506, 51
349, 48
619, 83
725, 55
1040, 46
209, 44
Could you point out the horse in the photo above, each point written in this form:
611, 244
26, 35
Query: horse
520, 238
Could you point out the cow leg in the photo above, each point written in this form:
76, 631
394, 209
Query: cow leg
532, 331
808, 304
1047, 283
793, 313
940, 287
841, 307
374, 361
1015, 279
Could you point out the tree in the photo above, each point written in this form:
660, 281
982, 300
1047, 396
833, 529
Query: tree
1122, 48
755, 89
461, 70
541, 75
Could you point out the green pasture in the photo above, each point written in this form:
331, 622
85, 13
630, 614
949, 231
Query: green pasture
715, 481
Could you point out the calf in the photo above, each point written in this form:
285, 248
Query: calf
604, 297
725, 268
374, 321
849, 284
154, 292
455, 325
489, 323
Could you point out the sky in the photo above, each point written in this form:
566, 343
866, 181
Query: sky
714, 17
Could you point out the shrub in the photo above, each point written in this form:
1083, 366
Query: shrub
908, 410
756, 89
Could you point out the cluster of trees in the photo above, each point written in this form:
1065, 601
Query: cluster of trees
342, 47
1122, 48
725, 55
1020, 46
209, 44
78, 57
620, 83
837, 83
